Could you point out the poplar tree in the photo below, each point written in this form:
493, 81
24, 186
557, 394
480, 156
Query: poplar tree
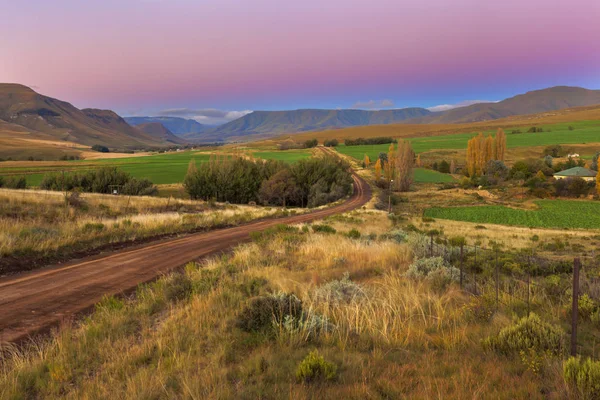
367, 161
404, 160
378, 170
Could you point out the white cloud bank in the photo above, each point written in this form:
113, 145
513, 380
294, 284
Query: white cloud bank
209, 116
446, 107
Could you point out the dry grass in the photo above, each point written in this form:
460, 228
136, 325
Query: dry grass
399, 339
39, 224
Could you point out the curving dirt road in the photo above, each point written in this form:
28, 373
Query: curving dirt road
35, 301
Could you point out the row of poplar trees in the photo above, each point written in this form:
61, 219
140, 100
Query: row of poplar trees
396, 167
481, 150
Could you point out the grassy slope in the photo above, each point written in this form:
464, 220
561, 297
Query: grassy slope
551, 214
178, 339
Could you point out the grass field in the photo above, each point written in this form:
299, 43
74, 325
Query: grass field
422, 175
583, 132
160, 169
551, 214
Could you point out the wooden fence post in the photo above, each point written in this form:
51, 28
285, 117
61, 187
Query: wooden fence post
497, 283
528, 294
461, 265
575, 308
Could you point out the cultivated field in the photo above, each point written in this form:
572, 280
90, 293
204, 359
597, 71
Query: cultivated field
550, 214
168, 168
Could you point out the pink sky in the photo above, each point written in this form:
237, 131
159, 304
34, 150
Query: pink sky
143, 56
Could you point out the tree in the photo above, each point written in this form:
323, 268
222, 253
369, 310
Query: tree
280, 189
598, 183
330, 143
100, 148
390, 166
594, 165
500, 145
311, 143
404, 160
452, 167
548, 160
444, 167
378, 170
366, 161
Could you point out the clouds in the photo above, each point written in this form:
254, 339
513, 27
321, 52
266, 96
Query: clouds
446, 107
374, 104
209, 116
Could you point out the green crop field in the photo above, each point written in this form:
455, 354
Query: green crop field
550, 214
583, 132
160, 169
283, 155
422, 175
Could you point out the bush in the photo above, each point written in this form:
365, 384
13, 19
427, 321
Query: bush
331, 143
583, 377
314, 368
435, 270
179, 287
397, 236
339, 291
323, 228
311, 143
265, 312
100, 148
527, 333
353, 234
13, 182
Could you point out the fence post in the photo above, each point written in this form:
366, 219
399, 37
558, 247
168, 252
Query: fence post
431, 246
575, 309
528, 294
461, 265
497, 283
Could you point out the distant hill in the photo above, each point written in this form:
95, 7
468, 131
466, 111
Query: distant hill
160, 132
270, 123
537, 101
177, 126
47, 118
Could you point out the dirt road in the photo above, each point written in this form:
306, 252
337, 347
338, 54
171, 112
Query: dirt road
35, 301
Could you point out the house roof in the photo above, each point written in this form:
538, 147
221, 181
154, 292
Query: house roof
577, 171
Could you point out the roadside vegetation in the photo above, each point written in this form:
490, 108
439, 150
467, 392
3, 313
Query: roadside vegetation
351, 307
40, 227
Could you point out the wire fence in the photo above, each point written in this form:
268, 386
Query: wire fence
517, 280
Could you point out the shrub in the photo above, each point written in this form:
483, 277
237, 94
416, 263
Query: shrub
527, 333
179, 287
397, 236
311, 143
266, 311
323, 228
353, 234
100, 148
339, 291
13, 182
583, 377
331, 143
435, 269
315, 368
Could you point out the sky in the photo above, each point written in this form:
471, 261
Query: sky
215, 60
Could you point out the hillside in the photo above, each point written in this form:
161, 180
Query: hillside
269, 123
177, 126
43, 118
537, 101
160, 132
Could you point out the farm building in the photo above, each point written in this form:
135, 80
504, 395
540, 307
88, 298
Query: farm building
577, 172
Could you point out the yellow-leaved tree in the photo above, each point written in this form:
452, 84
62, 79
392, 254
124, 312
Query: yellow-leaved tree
367, 161
404, 160
500, 145
378, 170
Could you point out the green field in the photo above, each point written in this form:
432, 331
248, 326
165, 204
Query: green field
160, 169
583, 132
551, 214
422, 175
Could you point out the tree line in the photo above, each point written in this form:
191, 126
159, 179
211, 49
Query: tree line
375, 140
306, 183
481, 150
102, 180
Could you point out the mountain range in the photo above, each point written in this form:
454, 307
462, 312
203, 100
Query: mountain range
178, 126
30, 120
